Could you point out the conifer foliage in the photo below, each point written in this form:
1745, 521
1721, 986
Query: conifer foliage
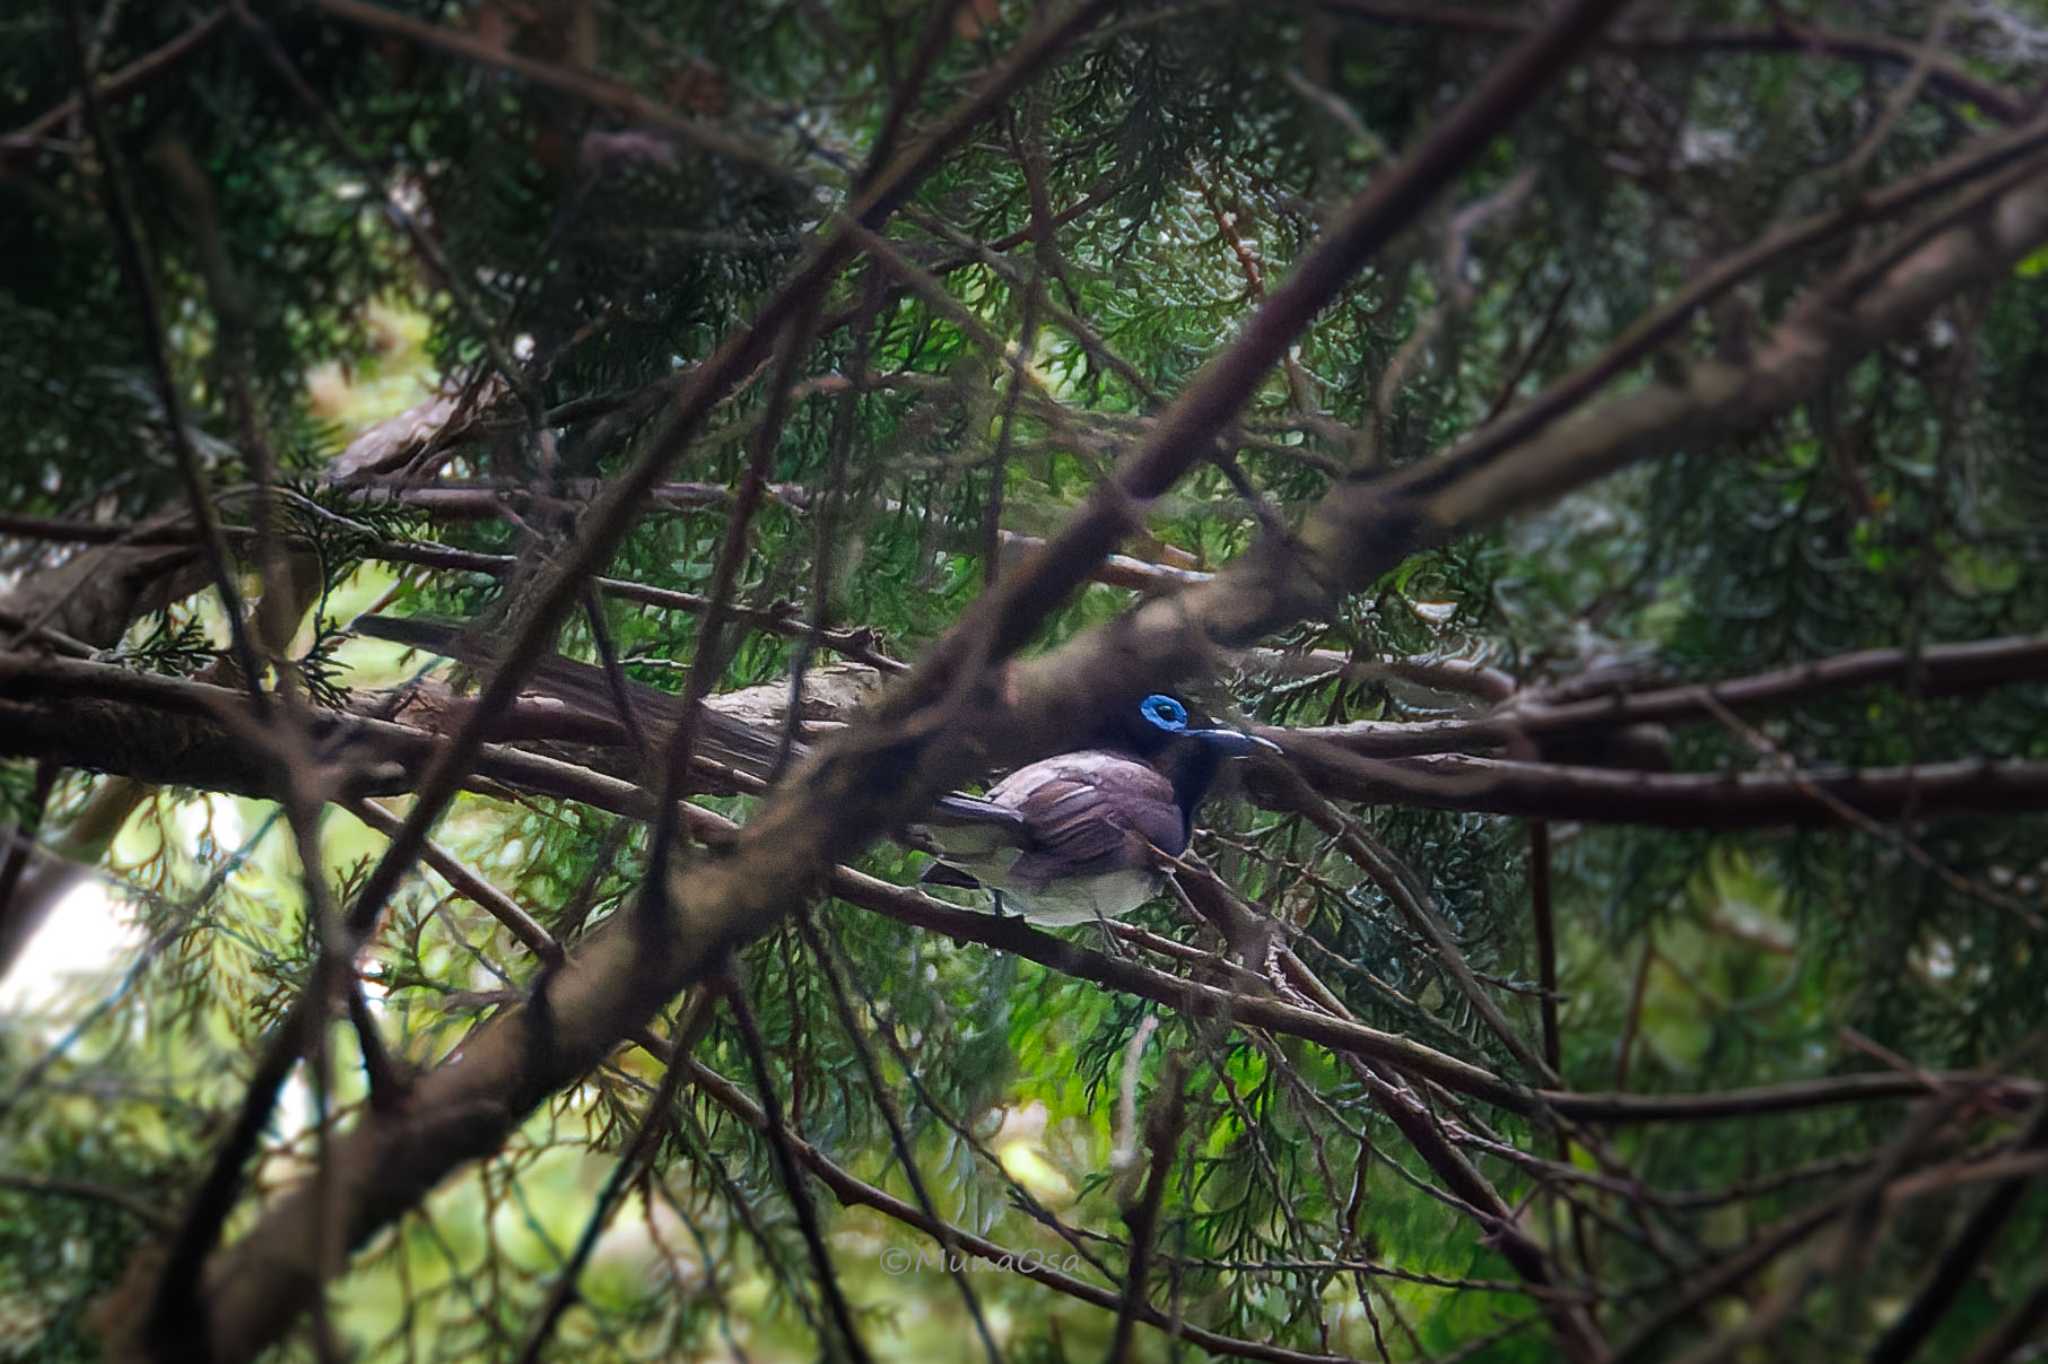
1599, 444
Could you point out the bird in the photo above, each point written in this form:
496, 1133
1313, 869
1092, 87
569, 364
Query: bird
1091, 818
1065, 840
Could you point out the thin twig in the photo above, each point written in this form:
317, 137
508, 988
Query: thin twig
1163, 1126
631, 1163
779, 1138
825, 951
135, 271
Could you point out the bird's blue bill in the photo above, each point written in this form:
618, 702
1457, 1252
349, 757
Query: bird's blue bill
1233, 743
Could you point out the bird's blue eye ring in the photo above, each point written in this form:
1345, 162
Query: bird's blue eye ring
1164, 712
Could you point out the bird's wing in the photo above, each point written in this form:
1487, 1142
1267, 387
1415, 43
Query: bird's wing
1089, 813
946, 874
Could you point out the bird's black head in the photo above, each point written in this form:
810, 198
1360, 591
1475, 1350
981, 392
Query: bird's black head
1162, 731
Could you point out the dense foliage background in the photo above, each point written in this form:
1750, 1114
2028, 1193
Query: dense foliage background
395, 290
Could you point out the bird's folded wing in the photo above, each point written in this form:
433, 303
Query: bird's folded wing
1091, 813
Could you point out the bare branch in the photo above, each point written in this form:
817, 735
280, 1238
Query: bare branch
1944, 72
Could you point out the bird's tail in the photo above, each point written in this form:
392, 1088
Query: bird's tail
584, 686
946, 874
720, 738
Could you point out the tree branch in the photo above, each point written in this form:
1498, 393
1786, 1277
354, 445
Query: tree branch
1944, 72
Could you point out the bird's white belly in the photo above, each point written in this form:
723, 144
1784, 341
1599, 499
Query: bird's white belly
1076, 900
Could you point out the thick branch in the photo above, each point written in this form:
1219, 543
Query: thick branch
171, 731
1938, 669
1745, 800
